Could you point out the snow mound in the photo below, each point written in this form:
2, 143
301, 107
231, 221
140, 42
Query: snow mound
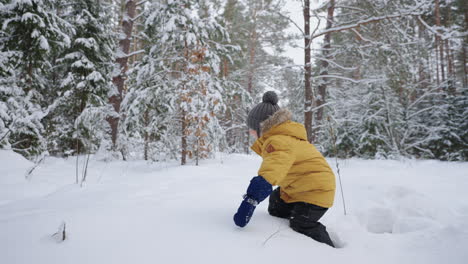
13, 167
403, 210
379, 220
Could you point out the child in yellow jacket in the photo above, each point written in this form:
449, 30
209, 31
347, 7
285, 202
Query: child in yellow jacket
306, 183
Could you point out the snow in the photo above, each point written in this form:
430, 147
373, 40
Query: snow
95, 76
89, 43
34, 18
43, 43
404, 211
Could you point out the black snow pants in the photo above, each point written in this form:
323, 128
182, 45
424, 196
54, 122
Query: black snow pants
303, 217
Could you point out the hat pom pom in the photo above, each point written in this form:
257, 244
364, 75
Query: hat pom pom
270, 97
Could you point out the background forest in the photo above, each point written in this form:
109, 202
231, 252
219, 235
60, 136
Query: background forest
167, 79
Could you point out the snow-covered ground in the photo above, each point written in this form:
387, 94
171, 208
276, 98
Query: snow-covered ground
140, 212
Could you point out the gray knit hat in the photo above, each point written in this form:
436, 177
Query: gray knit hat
262, 111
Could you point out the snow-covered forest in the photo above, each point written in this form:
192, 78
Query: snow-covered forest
124, 137
174, 80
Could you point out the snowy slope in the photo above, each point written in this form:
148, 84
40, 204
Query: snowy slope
139, 212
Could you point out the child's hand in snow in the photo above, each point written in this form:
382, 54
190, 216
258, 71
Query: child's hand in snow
245, 212
259, 189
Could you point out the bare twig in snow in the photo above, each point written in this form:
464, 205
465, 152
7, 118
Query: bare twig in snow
85, 170
61, 234
36, 164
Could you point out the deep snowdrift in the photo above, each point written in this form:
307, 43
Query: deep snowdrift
140, 212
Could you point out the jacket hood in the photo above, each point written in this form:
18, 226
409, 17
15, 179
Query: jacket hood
280, 124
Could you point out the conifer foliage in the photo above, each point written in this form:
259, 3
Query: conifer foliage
178, 89
78, 118
32, 33
167, 79
395, 84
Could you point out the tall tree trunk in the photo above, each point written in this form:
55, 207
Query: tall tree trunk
450, 72
450, 66
307, 73
122, 61
134, 45
225, 68
423, 76
183, 114
436, 57
146, 121
252, 51
439, 42
464, 61
450, 59
197, 151
183, 160
323, 81
251, 74
464, 52
246, 136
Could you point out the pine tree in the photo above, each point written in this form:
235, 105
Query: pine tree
125, 37
386, 100
259, 28
179, 77
77, 123
26, 95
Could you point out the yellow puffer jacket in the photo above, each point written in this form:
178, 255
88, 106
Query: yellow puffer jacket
292, 163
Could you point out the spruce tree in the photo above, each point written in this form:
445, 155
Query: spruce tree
31, 33
79, 118
179, 77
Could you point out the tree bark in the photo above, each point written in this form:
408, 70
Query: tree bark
307, 73
183, 113
122, 61
183, 160
439, 42
450, 69
450, 65
146, 121
323, 82
423, 76
252, 51
464, 52
136, 41
465, 68
251, 74
437, 62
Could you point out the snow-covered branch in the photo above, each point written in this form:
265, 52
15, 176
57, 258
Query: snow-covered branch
362, 23
446, 35
349, 79
120, 54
